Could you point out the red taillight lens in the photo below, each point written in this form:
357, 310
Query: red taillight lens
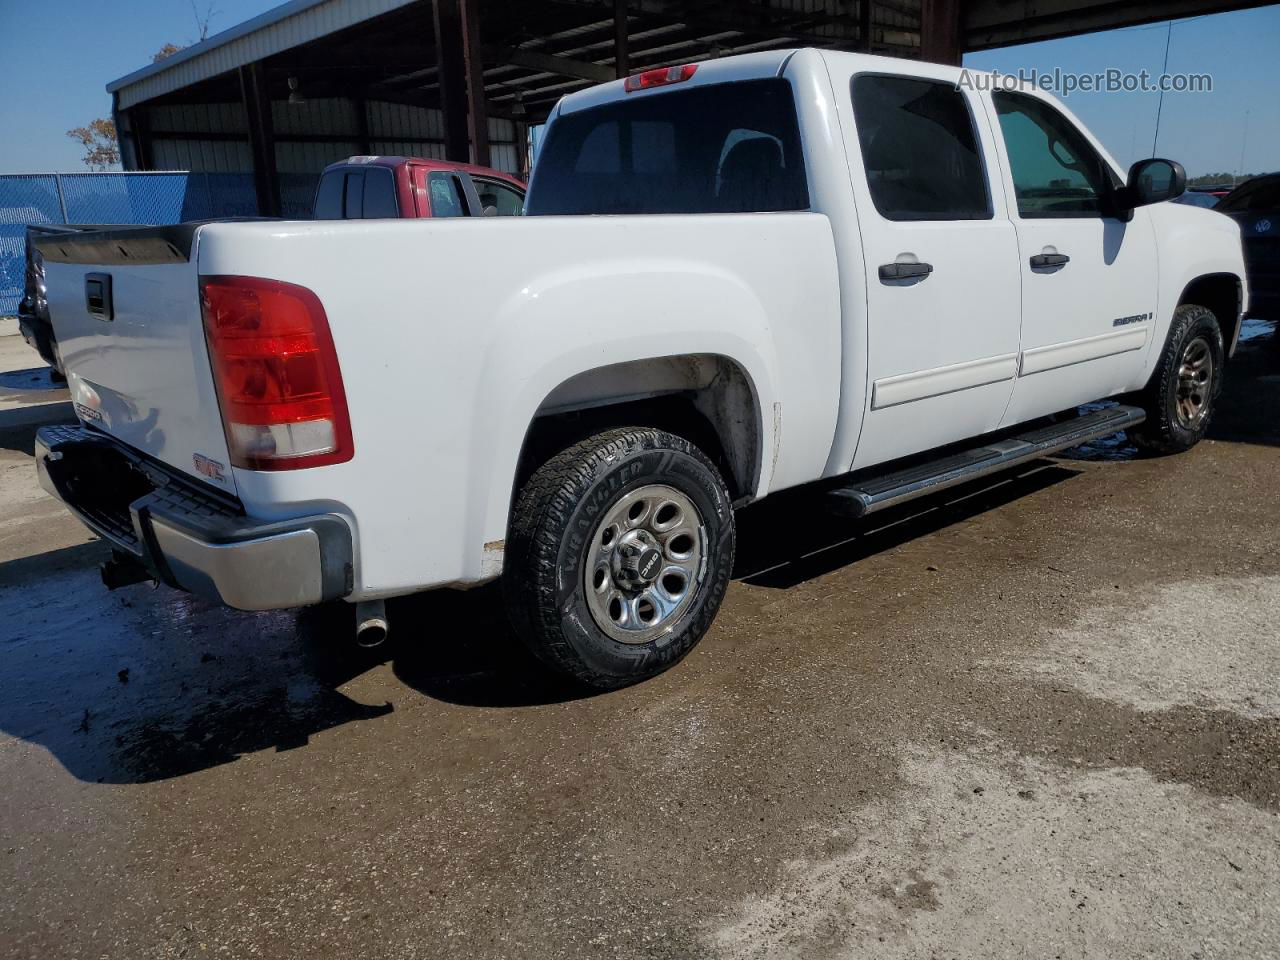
276, 372
659, 77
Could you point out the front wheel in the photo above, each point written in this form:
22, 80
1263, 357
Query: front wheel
619, 554
1183, 391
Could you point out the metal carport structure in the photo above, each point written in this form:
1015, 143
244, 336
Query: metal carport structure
262, 107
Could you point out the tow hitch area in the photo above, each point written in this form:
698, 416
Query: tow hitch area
123, 570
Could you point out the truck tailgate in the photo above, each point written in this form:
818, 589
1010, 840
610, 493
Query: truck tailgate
125, 306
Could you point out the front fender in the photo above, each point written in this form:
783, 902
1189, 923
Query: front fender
1190, 243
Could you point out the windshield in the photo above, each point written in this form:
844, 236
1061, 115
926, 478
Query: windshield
725, 148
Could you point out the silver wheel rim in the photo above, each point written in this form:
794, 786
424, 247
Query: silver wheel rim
644, 563
1195, 382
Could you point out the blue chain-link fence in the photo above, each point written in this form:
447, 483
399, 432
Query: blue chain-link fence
134, 198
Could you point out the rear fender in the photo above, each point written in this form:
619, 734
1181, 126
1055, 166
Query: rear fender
632, 317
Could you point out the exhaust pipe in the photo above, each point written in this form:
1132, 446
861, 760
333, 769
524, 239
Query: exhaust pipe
371, 623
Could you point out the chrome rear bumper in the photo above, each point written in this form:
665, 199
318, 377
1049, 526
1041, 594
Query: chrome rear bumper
189, 537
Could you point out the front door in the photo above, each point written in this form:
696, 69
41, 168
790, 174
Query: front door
941, 266
1088, 277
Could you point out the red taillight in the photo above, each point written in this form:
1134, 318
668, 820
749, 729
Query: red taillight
276, 372
659, 77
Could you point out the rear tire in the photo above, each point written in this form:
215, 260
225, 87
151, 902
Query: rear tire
619, 554
1183, 391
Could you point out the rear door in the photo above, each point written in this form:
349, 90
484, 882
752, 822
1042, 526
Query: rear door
1088, 278
940, 262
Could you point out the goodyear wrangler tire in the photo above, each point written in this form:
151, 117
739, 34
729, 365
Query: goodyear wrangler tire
619, 554
1183, 390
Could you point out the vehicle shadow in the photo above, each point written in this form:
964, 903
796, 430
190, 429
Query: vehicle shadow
18, 425
29, 380
792, 537
145, 684
142, 685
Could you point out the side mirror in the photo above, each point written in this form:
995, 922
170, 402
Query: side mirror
1154, 180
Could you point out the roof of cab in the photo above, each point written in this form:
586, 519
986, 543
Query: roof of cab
746, 66
753, 66
427, 163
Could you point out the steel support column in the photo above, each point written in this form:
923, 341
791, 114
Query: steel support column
477, 105
522, 148
262, 141
126, 142
140, 130
621, 39
461, 72
940, 31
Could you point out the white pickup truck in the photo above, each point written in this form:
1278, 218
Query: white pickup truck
735, 277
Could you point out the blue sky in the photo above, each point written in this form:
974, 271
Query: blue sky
1203, 131
57, 64
58, 61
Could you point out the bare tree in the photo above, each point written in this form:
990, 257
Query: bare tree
202, 28
203, 20
101, 149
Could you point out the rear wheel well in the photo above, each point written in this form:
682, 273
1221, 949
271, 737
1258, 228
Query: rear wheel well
706, 399
674, 413
1221, 294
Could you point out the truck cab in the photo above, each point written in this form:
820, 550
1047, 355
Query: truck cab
369, 188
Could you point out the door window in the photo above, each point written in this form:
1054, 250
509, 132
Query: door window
500, 198
919, 149
446, 196
1056, 173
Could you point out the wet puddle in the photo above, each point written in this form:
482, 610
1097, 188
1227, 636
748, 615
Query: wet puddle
1114, 447
1254, 329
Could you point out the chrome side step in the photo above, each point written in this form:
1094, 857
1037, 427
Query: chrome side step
876, 493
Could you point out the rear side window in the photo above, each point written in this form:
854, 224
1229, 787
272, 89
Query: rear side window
919, 149
329, 196
446, 195
724, 148
346, 194
380, 195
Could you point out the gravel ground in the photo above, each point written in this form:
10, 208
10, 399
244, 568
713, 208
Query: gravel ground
1035, 717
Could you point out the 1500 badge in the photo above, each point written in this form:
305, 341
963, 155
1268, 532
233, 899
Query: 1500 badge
1136, 318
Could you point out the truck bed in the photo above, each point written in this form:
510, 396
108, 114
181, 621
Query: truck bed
451, 335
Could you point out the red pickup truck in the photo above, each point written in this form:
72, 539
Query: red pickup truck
371, 188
